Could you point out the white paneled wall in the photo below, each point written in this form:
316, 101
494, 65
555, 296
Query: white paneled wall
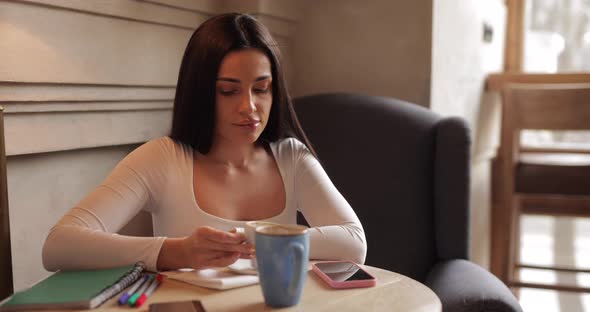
82, 84
461, 61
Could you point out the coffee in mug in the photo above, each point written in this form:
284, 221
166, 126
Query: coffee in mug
250, 229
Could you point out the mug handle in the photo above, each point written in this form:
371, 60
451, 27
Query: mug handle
298, 250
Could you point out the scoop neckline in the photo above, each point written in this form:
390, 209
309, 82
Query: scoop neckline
272, 146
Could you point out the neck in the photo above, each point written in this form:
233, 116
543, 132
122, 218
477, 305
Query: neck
231, 155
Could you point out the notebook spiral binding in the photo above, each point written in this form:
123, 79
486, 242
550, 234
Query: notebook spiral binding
118, 286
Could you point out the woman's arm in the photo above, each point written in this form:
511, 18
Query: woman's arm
86, 236
336, 233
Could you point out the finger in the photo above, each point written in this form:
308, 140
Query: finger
210, 255
215, 235
224, 260
238, 230
240, 248
202, 260
247, 256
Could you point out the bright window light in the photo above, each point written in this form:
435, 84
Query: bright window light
539, 300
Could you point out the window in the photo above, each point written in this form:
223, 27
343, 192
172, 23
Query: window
556, 39
556, 36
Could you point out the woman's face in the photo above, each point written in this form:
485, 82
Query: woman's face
243, 96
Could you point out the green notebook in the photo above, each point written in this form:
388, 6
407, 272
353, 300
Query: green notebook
74, 289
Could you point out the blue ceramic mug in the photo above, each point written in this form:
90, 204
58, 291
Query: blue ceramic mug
282, 253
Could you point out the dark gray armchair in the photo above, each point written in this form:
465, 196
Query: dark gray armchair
405, 171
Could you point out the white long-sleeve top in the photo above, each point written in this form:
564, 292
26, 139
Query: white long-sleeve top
158, 177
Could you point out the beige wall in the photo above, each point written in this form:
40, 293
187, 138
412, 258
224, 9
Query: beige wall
83, 83
379, 47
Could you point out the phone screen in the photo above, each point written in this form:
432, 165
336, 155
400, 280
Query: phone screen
343, 271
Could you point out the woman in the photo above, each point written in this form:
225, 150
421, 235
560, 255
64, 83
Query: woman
236, 153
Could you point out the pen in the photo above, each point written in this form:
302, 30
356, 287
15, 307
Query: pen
155, 283
140, 291
123, 299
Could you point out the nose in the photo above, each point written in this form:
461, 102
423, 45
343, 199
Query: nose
247, 105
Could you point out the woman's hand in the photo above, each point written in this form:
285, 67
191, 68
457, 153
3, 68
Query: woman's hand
205, 248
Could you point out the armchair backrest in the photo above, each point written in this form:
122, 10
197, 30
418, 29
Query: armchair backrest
403, 169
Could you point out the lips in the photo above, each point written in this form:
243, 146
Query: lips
248, 123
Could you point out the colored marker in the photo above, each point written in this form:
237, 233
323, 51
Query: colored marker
155, 283
123, 299
140, 291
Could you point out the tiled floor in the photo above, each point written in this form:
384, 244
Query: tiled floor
562, 241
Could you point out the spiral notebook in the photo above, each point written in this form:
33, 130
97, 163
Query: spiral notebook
74, 289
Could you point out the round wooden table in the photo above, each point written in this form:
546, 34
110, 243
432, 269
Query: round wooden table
394, 292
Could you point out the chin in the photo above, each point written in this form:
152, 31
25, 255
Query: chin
240, 137
254, 138
251, 138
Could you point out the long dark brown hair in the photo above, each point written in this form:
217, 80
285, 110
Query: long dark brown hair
193, 120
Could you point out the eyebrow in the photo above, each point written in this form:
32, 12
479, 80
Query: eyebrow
238, 80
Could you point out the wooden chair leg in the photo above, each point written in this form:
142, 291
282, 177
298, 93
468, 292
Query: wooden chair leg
500, 233
515, 237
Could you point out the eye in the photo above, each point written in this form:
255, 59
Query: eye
262, 88
262, 91
228, 92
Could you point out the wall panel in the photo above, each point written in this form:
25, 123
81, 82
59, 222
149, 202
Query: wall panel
58, 131
44, 44
132, 10
213, 6
36, 92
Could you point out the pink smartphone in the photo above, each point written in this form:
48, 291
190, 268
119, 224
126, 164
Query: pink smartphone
343, 274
